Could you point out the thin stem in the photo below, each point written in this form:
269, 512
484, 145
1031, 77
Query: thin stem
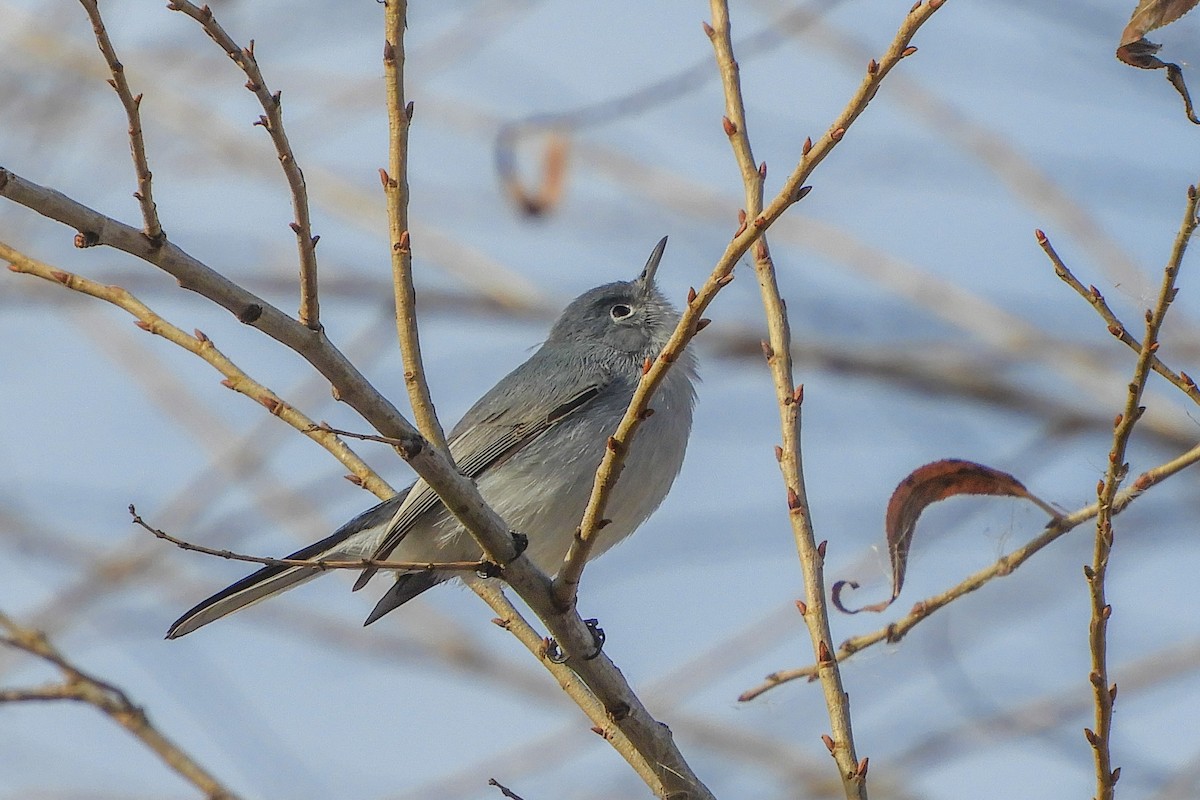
137, 144
789, 397
1103, 694
79, 686
318, 564
395, 189
200, 345
272, 122
1181, 380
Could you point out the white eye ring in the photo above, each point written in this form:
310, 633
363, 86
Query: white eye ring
620, 311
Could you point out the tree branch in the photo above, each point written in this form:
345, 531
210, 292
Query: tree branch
272, 123
200, 345
458, 494
1104, 694
137, 144
1181, 380
395, 189
319, 563
80, 686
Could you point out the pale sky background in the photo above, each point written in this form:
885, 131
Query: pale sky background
1012, 115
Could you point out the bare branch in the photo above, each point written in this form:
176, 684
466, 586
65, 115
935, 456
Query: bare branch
202, 346
79, 686
395, 189
789, 397
318, 564
509, 618
272, 122
137, 144
1104, 694
1117, 328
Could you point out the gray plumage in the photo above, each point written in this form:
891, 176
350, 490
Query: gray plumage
532, 444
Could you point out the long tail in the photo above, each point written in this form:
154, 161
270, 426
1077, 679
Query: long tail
270, 581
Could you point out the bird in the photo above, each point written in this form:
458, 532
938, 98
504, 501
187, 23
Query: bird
532, 444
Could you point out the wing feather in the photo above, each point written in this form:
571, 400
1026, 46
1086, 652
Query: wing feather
476, 449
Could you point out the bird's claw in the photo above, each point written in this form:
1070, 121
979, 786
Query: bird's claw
556, 655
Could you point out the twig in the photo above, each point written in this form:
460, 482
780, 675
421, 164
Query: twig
566, 584
364, 437
1000, 154
509, 618
1102, 692
504, 790
137, 144
319, 564
1117, 328
80, 686
789, 397
395, 189
1004, 566
272, 122
201, 345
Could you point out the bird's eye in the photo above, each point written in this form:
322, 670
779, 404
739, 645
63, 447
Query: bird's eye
620, 311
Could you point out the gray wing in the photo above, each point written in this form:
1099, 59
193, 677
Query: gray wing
518, 410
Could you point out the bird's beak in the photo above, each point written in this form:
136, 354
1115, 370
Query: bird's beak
646, 279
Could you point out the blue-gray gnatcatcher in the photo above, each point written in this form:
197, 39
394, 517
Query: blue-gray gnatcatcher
532, 444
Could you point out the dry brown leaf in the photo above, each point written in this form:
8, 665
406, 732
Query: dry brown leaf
924, 486
1136, 51
1153, 14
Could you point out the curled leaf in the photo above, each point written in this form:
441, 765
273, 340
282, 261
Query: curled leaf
1136, 51
924, 486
